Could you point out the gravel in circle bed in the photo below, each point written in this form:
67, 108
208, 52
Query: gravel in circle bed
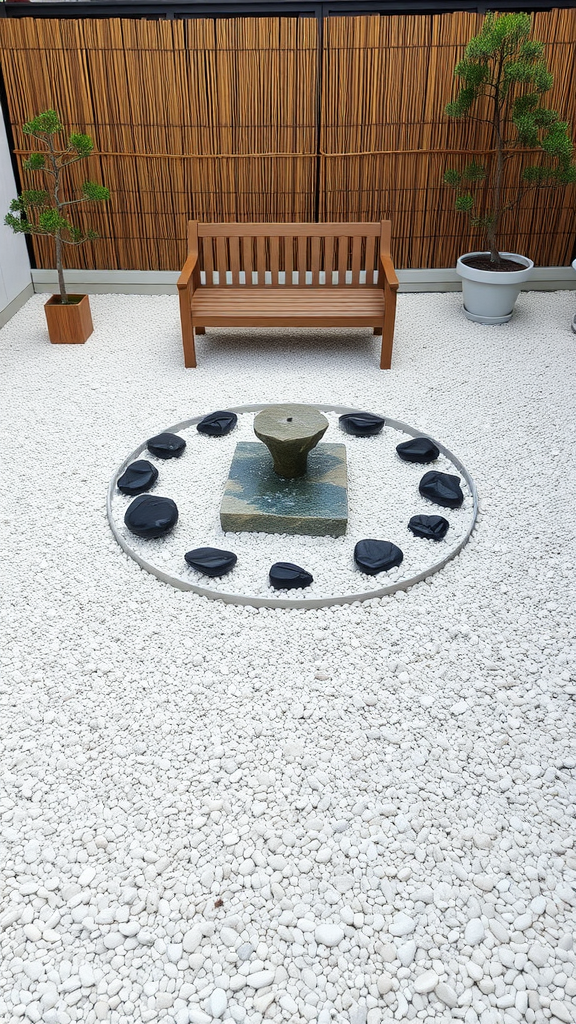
382, 497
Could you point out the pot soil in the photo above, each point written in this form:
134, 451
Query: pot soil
69, 323
483, 262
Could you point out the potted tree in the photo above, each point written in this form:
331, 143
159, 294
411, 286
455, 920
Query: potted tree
46, 212
504, 75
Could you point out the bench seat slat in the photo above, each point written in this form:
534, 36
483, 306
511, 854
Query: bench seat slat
212, 307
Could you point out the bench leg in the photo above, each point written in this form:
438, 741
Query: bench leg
388, 329
187, 329
189, 348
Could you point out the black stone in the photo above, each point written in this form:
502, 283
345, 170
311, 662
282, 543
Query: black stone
419, 449
374, 556
431, 527
217, 424
151, 516
138, 477
442, 488
166, 446
286, 576
211, 561
361, 424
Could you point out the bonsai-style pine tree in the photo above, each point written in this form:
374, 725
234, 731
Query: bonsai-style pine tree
504, 76
46, 211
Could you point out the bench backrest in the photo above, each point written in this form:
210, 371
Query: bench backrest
332, 255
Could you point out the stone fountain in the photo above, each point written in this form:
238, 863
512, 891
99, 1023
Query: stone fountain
287, 482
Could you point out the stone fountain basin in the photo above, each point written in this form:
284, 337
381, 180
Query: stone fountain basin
257, 500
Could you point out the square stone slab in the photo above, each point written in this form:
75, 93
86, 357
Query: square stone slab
257, 500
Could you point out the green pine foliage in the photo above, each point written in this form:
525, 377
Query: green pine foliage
503, 76
46, 211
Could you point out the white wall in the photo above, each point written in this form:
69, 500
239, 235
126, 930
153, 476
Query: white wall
14, 263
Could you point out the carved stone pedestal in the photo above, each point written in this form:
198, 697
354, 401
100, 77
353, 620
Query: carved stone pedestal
290, 432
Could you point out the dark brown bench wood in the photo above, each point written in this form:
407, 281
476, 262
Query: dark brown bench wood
288, 275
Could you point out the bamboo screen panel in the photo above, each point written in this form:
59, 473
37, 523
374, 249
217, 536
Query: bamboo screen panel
212, 120
217, 120
386, 142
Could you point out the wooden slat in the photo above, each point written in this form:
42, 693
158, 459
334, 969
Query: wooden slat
371, 261
312, 318
302, 244
248, 258
234, 244
342, 259
315, 260
192, 236
208, 261
356, 259
290, 228
288, 261
221, 260
385, 237
274, 259
328, 259
260, 259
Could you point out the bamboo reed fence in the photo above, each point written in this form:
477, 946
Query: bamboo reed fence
387, 141
252, 119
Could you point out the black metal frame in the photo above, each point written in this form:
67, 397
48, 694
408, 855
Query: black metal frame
170, 9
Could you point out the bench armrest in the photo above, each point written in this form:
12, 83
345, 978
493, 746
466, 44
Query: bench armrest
190, 273
388, 272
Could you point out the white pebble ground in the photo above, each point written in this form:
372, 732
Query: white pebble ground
382, 496
360, 814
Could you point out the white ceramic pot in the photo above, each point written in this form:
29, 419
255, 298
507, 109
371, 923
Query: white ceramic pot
488, 295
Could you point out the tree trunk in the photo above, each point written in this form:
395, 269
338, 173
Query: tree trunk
494, 224
494, 254
61, 284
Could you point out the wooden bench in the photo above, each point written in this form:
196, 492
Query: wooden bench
288, 275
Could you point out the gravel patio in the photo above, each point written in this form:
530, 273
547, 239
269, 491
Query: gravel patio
357, 814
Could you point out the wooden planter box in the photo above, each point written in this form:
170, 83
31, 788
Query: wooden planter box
70, 324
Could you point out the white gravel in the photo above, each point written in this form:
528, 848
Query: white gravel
382, 496
359, 814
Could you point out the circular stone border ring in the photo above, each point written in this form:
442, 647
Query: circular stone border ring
300, 602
